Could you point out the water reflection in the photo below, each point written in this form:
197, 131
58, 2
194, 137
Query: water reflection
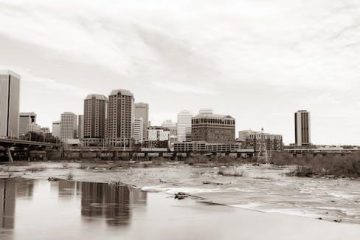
7, 203
99, 200
66, 189
111, 203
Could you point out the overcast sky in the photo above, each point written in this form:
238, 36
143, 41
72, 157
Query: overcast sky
257, 60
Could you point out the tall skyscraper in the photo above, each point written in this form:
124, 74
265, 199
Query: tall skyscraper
56, 129
121, 116
9, 104
25, 120
142, 111
94, 119
302, 128
68, 126
183, 126
138, 130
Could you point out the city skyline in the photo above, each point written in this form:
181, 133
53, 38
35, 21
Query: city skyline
141, 105
192, 56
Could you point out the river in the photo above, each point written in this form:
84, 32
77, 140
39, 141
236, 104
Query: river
262, 204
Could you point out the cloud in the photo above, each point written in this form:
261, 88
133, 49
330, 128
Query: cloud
242, 57
177, 87
56, 86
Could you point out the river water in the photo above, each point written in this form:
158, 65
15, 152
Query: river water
95, 205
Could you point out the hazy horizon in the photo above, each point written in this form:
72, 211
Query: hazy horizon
259, 61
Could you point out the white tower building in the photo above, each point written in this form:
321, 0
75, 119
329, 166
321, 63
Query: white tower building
183, 125
9, 104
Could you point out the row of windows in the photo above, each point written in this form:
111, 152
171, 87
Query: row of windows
213, 121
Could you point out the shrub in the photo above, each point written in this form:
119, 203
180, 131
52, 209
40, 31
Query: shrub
347, 165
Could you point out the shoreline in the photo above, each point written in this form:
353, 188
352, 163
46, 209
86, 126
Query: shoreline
167, 186
231, 223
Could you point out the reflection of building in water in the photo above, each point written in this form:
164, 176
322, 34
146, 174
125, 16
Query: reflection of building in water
91, 199
108, 201
67, 189
117, 210
25, 189
137, 197
7, 203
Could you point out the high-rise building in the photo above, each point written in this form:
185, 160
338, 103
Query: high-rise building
9, 104
213, 128
142, 111
121, 116
68, 126
302, 128
184, 126
138, 130
56, 129
80, 130
94, 119
25, 120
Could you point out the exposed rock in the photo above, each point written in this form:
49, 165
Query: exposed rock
181, 195
54, 179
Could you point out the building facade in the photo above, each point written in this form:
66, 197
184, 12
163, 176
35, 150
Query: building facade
204, 147
95, 107
68, 130
138, 130
158, 134
173, 132
80, 130
171, 126
142, 111
33, 127
302, 128
56, 129
184, 126
121, 117
9, 104
25, 119
213, 128
254, 139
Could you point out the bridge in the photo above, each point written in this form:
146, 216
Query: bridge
11, 148
323, 151
8, 144
119, 153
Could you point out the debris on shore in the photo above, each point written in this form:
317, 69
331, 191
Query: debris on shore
54, 179
212, 183
181, 195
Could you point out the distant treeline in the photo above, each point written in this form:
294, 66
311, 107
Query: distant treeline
309, 165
